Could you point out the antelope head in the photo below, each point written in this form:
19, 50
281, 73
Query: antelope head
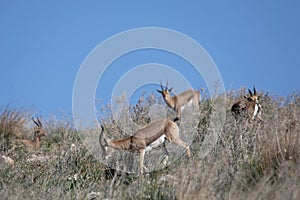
252, 96
38, 130
178, 102
165, 91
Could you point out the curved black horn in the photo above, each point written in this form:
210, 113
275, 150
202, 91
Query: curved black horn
161, 86
254, 90
250, 92
36, 123
167, 85
40, 123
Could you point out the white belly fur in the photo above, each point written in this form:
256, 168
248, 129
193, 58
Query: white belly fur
156, 143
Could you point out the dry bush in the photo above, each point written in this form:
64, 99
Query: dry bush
248, 156
13, 124
258, 160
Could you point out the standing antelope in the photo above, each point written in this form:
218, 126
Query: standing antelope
39, 132
178, 102
146, 139
250, 108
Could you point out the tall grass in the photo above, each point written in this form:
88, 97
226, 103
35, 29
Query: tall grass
13, 124
258, 160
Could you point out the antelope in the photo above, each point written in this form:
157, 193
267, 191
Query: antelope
250, 108
178, 102
39, 132
145, 139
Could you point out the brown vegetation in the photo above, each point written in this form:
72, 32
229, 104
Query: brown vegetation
258, 160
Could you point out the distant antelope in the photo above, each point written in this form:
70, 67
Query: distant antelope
39, 132
146, 139
178, 102
250, 108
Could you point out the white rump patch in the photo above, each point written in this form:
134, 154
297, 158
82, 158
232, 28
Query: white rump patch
156, 143
189, 104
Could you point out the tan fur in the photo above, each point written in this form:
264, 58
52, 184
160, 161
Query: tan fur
139, 141
178, 101
39, 132
247, 106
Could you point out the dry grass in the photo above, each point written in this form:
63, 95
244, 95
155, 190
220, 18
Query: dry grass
13, 124
250, 161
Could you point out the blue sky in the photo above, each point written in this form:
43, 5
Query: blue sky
43, 44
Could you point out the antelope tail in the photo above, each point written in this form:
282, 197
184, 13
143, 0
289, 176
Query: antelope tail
101, 144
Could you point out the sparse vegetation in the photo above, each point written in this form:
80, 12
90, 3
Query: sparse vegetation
258, 160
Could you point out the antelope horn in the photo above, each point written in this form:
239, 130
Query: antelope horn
254, 90
36, 123
250, 92
161, 86
40, 123
167, 85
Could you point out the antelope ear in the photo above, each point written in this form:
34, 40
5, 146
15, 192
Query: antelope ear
159, 91
249, 99
170, 89
259, 97
34, 134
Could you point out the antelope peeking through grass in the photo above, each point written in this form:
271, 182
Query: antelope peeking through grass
39, 132
178, 102
250, 108
145, 139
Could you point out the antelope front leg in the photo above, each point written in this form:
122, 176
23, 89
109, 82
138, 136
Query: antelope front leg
142, 154
184, 145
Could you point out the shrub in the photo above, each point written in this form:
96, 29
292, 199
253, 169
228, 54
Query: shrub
251, 160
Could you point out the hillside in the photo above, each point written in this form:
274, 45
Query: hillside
258, 160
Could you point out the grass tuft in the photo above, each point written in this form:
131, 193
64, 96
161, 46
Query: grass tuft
258, 160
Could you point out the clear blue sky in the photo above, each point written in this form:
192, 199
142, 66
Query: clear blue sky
43, 43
